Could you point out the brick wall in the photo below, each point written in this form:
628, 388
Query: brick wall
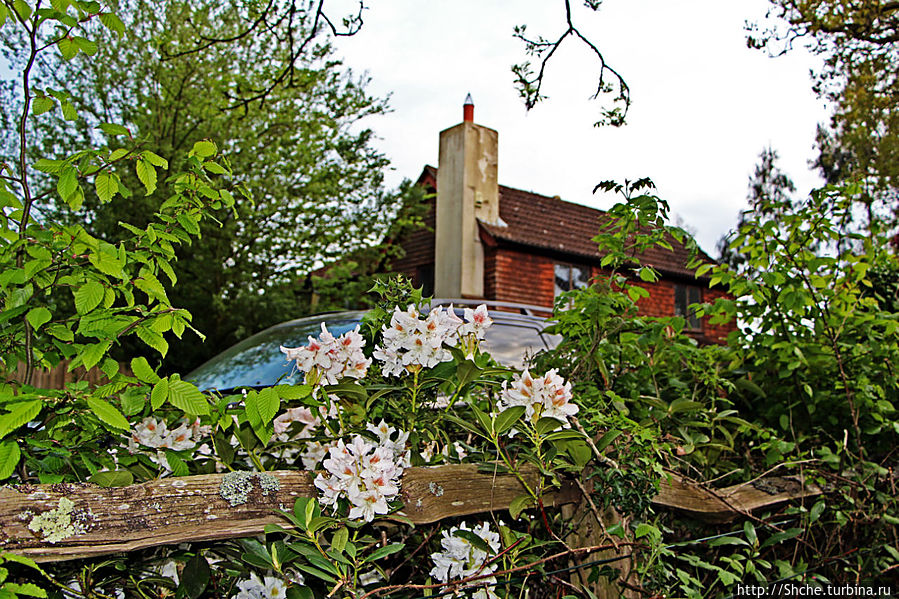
419, 248
521, 277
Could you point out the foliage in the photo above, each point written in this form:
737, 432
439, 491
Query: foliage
303, 154
858, 42
770, 191
625, 400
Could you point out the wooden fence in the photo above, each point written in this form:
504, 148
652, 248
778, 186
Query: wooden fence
56, 378
176, 510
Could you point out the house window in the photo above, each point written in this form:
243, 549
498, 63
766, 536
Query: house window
569, 276
684, 296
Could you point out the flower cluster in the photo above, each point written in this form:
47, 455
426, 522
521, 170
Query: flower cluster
544, 396
411, 343
310, 419
367, 474
267, 588
459, 558
155, 433
329, 359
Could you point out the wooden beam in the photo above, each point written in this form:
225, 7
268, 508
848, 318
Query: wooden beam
177, 510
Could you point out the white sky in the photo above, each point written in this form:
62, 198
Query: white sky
704, 105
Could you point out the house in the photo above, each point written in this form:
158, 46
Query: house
485, 240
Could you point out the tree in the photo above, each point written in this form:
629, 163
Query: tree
312, 170
769, 197
860, 80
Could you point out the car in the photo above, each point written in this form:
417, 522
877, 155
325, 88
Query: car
516, 334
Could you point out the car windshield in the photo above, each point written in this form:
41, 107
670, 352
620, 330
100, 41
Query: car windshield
258, 360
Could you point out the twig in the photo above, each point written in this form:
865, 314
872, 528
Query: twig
595, 511
599, 456
463, 581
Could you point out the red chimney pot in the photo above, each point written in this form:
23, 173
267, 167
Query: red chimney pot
468, 110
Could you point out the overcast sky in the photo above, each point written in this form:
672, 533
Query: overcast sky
704, 105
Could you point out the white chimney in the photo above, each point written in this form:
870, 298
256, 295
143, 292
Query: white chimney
467, 191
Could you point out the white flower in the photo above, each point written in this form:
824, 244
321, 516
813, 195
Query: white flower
410, 343
548, 395
460, 559
269, 587
365, 473
326, 360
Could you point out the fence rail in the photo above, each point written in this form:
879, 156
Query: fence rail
57, 377
191, 508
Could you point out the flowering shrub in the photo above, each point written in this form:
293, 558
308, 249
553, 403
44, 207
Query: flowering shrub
326, 360
365, 473
460, 558
547, 396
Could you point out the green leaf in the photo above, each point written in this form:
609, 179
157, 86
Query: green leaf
159, 394
88, 297
179, 468
263, 406
67, 48
113, 23
194, 577
547, 424
107, 186
114, 129
9, 458
68, 111
93, 353
22, 9
87, 46
49, 166
68, 182
155, 159
108, 413
483, 419
28, 588
644, 529
781, 536
475, 540
37, 317
204, 149
20, 414
42, 104
142, 370
112, 478
61, 332
153, 339
384, 552
607, 438
187, 397
816, 510
507, 418
214, 168
146, 172
519, 504
340, 538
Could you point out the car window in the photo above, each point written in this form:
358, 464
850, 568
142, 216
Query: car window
258, 361
512, 344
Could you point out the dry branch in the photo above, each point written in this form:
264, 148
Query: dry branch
176, 510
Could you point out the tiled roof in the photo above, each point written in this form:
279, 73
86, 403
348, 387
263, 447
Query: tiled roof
553, 224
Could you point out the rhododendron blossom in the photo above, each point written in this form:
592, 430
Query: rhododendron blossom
269, 587
326, 360
460, 559
544, 396
365, 473
411, 343
155, 433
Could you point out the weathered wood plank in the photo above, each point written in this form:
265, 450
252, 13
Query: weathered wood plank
174, 510
721, 505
